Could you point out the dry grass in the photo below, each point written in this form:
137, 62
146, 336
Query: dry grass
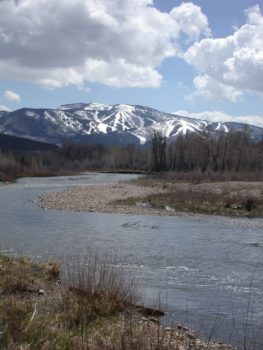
94, 288
21, 275
219, 198
93, 307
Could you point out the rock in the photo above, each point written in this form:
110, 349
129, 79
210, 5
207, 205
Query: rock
168, 208
235, 206
41, 292
180, 327
142, 205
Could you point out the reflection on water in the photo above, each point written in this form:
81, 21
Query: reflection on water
201, 265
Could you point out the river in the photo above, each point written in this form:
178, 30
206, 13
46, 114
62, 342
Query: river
206, 270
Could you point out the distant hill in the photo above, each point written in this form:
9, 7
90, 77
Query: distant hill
107, 124
19, 144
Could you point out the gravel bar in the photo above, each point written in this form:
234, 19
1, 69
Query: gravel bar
102, 198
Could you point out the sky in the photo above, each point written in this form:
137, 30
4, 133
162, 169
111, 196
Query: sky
200, 58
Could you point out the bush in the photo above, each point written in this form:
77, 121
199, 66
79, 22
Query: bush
96, 288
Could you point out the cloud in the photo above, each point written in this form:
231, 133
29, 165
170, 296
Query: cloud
191, 20
114, 42
228, 67
4, 108
217, 116
209, 88
12, 96
122, 74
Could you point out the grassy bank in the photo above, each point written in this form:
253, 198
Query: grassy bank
92, 306
218, 198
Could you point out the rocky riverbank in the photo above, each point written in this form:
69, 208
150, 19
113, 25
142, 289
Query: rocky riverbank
105, 199
149, 196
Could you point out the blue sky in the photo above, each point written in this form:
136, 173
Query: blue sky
202, 58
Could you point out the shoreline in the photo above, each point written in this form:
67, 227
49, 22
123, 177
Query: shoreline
37, 293
160, 198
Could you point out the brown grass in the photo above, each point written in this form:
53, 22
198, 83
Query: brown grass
93, 307
94, 288
21, 275
219, 198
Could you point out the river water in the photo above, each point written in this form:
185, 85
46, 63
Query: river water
205, 270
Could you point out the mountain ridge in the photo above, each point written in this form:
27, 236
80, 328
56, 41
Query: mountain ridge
96, 122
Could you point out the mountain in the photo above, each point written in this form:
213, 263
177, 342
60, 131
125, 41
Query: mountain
19, 144
106, 124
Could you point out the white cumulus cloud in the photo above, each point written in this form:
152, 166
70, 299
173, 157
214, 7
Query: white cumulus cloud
191, 20
228, 67
114, 42
12, 96
218, 116
209, 88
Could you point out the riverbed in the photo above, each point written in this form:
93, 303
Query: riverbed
207, 271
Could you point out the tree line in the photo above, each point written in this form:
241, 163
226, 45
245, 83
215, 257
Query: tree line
73, 158
236, 154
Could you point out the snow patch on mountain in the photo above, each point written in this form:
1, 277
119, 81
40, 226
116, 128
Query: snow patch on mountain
118, 122
221, 127
170, 128
97, 106
32, 114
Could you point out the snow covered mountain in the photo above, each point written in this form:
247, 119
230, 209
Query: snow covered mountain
107, 124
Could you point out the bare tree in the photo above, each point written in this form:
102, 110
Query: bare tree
158, 145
